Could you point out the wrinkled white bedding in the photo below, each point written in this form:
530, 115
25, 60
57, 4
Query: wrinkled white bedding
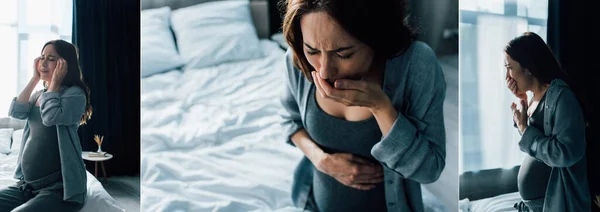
504, 202
211, 139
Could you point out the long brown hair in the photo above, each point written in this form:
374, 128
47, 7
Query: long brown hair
532, 53
361, 19
74, 77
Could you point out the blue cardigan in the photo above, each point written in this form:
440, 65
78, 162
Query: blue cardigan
64, 110
414, 150
561, 145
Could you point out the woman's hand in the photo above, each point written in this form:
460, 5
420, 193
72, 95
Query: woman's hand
512, 86
60, 71
351, 170
520, 115
36, 72
353, 93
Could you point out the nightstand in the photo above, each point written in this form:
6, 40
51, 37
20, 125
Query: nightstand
97, 159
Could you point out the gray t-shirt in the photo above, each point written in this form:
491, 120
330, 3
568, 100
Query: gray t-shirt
533, 173
40, 155
335, 135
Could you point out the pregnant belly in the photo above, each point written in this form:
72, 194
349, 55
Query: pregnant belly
533, 178
331, 195
40, 158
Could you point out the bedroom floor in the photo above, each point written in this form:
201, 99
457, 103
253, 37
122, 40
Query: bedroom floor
125, 190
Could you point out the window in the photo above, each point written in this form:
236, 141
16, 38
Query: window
25, 25
488, 138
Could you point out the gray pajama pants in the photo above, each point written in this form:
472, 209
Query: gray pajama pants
36, 196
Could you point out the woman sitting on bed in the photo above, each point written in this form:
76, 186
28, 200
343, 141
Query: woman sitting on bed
363, 102
50, 169
553, 175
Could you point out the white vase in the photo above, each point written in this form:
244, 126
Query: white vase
99, 149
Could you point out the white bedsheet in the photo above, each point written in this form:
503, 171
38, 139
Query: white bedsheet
211, 139
504, 202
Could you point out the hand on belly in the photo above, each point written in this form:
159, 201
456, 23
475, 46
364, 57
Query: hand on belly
351, 170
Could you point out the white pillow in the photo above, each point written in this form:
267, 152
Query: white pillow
17, 138
5, 140
215, 32
159, 53
98, 199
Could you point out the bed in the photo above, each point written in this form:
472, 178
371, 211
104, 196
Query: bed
502, 202
211, 138
97, 199
489, 190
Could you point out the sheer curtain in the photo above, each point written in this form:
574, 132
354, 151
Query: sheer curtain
488, 138
25, 25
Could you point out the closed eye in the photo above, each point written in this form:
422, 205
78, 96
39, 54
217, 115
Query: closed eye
346, 56
312, 52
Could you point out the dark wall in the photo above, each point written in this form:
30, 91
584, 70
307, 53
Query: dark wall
437, 23
573, 38
107, 34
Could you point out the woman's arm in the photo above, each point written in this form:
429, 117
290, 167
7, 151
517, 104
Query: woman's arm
63, 109
385, 116
414, 139
566, 144
302, 140
26, 92
21, 105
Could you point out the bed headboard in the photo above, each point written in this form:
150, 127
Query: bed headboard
258, 8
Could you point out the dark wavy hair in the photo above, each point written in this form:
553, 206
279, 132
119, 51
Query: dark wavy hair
74, 77
532, 53
361, 19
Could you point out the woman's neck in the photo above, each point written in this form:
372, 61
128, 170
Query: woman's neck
539, 89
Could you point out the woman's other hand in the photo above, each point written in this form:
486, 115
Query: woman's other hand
520, 115
60, 71
351, 170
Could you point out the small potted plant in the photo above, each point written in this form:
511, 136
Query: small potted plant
99, 140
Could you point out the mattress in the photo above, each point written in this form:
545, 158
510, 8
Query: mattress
211, 138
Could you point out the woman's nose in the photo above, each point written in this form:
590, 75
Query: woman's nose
327, 69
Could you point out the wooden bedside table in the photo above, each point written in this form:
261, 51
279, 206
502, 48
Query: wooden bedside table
85, 156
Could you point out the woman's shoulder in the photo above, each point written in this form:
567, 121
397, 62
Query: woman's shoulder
559, 91
65, 90
292, 73
417, 63
72, 90
417, 51
558, 88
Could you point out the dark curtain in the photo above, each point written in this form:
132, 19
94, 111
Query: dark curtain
574, 39
107, 34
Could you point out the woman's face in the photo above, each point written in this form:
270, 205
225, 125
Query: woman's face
520, 75
333, 53
47, 62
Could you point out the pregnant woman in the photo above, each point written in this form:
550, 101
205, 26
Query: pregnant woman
553, 175
50, 170
363, 102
